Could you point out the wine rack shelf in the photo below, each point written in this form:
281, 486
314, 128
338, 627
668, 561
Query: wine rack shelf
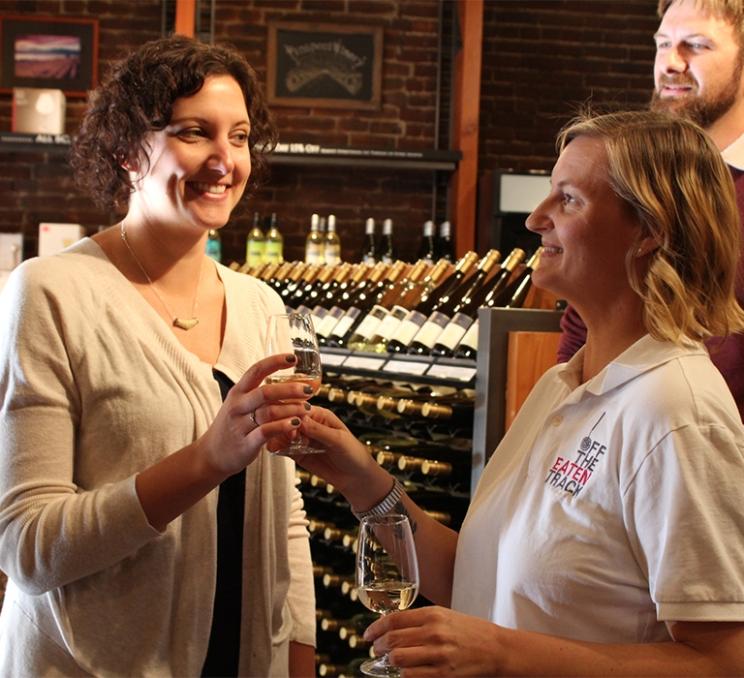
285, 154
456, 448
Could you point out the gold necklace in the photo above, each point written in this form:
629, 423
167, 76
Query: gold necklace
181, 323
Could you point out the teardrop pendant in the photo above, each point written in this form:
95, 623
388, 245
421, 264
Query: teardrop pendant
185, 324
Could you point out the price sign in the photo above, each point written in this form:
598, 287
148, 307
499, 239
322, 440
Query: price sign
335, 359
451, 372
363, 363
405, 367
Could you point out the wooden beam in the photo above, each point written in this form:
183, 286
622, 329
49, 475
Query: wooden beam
185, 17
466, 108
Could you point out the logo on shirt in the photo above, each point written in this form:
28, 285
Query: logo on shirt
572, 474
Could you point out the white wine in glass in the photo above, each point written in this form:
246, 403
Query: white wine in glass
294, 333
387, 575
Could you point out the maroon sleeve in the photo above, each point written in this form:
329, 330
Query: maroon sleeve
573, 334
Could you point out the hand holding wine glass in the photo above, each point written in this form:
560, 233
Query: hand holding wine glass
294, 332
386, 573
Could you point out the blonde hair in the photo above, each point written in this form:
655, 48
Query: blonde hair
669, 172
729, 10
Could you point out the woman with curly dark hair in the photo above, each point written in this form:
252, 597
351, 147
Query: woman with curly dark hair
144, 526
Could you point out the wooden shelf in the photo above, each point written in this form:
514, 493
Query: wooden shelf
298, 154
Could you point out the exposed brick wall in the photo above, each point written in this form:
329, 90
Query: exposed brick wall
541, 57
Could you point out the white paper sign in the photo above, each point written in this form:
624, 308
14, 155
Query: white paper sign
363, 363
406, 367
451, 372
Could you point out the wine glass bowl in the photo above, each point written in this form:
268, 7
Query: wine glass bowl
386, 573
294, 333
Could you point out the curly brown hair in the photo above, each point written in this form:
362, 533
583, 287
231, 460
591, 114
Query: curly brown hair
137, 98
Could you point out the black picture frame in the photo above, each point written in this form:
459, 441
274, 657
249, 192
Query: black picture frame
48, 52
324, 65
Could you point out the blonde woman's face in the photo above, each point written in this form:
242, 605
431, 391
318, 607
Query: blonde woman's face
586, 229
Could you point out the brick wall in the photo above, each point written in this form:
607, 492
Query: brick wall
541, 57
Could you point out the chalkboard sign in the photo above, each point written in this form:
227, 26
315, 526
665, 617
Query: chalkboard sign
330, 65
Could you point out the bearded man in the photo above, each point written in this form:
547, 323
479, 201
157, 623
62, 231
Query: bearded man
699, 74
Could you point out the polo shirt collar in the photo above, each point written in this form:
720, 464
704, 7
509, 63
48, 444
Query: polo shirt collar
733, 154
639, 358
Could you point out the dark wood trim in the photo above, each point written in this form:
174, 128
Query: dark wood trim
466, 106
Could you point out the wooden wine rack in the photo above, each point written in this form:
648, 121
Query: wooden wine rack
516, 347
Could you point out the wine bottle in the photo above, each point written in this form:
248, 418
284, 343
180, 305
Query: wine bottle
332, 245
299, 275
466, 312
468, 346
427, 249
369, 251
314, 242
309, 274
416, 317
386, 251
280, 276
356, 624
515, 293
367, 326
303, 292
340, 303
447, 304
274, 244
214, 245
445, 244
359, 305
255, 243
399, 307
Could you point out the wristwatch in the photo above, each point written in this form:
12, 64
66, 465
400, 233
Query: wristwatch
386, 505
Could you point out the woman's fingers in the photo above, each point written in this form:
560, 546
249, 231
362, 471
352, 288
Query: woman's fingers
255, 374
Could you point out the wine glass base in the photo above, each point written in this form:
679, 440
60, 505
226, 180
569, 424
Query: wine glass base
379, 667
298, 451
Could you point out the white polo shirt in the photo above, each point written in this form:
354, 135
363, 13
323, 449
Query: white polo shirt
612, 506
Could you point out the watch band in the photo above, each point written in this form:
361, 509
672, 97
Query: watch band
386, 505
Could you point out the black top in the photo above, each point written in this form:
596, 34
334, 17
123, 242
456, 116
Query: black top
223, 653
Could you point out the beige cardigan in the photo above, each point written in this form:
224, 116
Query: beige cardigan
94, 387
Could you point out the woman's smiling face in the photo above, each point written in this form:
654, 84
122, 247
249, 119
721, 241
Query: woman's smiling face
586, 229
200, 163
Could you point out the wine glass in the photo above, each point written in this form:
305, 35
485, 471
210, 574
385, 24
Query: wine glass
294, 332
387, 576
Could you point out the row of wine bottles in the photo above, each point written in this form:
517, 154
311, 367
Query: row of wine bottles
421, 309
435, 474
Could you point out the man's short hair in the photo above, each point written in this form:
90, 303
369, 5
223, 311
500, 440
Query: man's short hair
729, 10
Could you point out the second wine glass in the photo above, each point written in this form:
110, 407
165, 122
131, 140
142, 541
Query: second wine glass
387, 575
294, 333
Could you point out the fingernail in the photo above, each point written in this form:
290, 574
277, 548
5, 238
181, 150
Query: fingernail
308, 389
290, 358
308, 406
295, 422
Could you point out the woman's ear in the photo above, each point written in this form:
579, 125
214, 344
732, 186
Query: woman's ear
646, 246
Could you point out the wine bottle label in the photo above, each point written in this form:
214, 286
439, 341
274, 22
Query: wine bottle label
455, 331
431, 329
273, 251
333, 254
390, 323
471, 337
314, 253
371, 323
343, 325
317, 315
254, 252
409, 327
329, 322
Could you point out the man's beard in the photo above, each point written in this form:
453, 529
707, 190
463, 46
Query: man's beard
703, 111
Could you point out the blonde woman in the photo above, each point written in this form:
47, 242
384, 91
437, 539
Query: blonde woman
606, 535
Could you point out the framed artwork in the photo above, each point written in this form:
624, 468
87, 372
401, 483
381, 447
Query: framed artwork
325, 65
48, 52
